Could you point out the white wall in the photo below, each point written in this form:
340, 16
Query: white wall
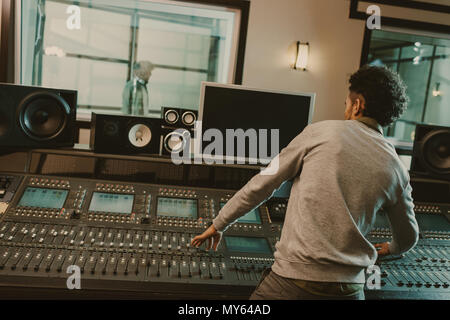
335, 49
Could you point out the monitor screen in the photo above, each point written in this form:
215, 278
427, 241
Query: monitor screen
175, 207
234, 107
43, 198
111, 202
250, 217
247, 244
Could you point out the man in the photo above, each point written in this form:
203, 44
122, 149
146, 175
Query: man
343, 173
135, 93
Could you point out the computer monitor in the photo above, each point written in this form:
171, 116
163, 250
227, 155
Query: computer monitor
225, 106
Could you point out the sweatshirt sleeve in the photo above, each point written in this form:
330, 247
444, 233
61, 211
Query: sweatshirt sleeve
284, 166
405, 231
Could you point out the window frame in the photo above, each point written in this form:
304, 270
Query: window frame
13, 27
404, 23
7, 38
404, 145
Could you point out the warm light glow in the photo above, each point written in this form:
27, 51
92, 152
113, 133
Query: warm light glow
301, 61
436, 92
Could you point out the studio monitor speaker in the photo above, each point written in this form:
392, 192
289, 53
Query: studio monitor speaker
119, 134
177, 129
34, 117
177, 141
179, 118
431, 152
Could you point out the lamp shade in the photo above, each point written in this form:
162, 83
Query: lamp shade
301, 60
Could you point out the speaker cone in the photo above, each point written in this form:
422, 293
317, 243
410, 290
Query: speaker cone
171, 116
140, 135
175, 141
435, 151
188, 118
43, 115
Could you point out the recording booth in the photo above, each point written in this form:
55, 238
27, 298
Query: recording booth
87, 170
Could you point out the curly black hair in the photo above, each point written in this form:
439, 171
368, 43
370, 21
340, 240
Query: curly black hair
384, 93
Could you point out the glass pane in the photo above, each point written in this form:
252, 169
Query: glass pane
170, 88
423, 63
102, 33
185, 50
438, 103
101, 83
419, 50
165, 44
403, 131
383, 51
125, 46
415, 77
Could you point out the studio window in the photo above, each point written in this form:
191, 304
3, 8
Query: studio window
99, 47
423, 62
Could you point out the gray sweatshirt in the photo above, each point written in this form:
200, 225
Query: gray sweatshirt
344, 172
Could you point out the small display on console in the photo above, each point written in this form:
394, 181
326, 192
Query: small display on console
43, 198
432, 222
250, 217
247, 244
111, 202
174, 207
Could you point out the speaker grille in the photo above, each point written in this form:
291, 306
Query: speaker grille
431, 152
178, 118
436, 151
43, 115
188, 118
171, 116
174, 142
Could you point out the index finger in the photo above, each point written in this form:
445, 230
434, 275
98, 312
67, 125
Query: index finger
197, 240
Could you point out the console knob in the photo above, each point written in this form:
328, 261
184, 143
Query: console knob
74, 214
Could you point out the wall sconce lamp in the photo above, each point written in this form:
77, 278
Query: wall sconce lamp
436, 92
301, 58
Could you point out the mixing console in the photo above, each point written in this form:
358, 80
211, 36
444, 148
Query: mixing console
129, 238
424, 271
8, 186
134, 233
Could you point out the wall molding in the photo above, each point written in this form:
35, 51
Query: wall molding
404, 23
